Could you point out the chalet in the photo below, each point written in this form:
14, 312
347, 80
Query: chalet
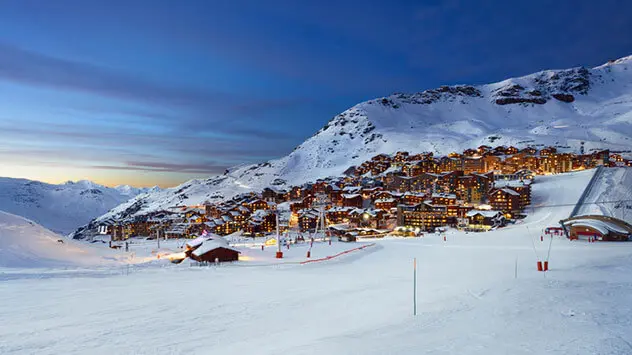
491, 162
617, 158
338, 214
212, 210
178, 230
371, 218
505, 200
529, 151
450, 164
423, 215
555, 163
308, 220
385, 203
213, 227
545, 152
351, 189
500, 150
448, 181
258, 204
429, 165
470, 152
473, 164
352, 200
253, 228
274, 195
295, 193
381, 158
400, 157
266, 219
214, 250
483, 149
485, 220
473, 188
443, 199
511, 150
386, 194
118, 232
413, 198
368, 192
334, 193
524, 189
194, 212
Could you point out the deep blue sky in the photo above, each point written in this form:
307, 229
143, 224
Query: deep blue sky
156, 92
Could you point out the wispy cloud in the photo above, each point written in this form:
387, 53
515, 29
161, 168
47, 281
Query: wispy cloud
209, 168
28, 67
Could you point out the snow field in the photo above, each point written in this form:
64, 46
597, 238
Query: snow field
469, 300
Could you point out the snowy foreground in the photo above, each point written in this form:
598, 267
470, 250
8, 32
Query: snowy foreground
469, 299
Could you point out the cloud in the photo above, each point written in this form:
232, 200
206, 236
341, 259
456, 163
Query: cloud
209, 168
23, 66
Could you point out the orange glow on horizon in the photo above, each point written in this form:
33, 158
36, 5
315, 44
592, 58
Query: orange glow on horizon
110, 178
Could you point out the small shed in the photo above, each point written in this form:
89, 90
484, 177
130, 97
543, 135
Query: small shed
214, 249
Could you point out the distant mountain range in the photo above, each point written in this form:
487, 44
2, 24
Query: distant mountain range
563, 108
65, 207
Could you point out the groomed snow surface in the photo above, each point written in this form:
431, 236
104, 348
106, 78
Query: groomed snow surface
469, 301
25, 244
612, 195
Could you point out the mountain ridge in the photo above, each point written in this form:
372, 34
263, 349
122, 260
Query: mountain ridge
567, 108
62, 207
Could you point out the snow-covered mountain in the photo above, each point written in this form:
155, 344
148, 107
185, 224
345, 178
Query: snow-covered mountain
62, 208
553, 107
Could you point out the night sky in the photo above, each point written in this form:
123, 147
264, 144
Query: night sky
153, 92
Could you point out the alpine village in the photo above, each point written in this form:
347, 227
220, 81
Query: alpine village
401, 194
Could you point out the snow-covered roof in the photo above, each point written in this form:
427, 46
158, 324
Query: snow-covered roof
510, 191
350, 196
351, 188
511, 183
440, 195
196, 242
212, 244
340, 209
604, 227
484, 213
385, 200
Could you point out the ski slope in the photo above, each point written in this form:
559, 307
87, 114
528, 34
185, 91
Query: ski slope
469, 300
25, 244
612, 195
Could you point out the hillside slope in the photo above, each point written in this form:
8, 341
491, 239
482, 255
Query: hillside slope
25, 244
61, 208
555, 107
613, 197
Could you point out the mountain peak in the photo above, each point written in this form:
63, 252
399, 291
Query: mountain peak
622, 60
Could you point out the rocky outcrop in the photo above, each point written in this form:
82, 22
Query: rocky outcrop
564, 97
520, 100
